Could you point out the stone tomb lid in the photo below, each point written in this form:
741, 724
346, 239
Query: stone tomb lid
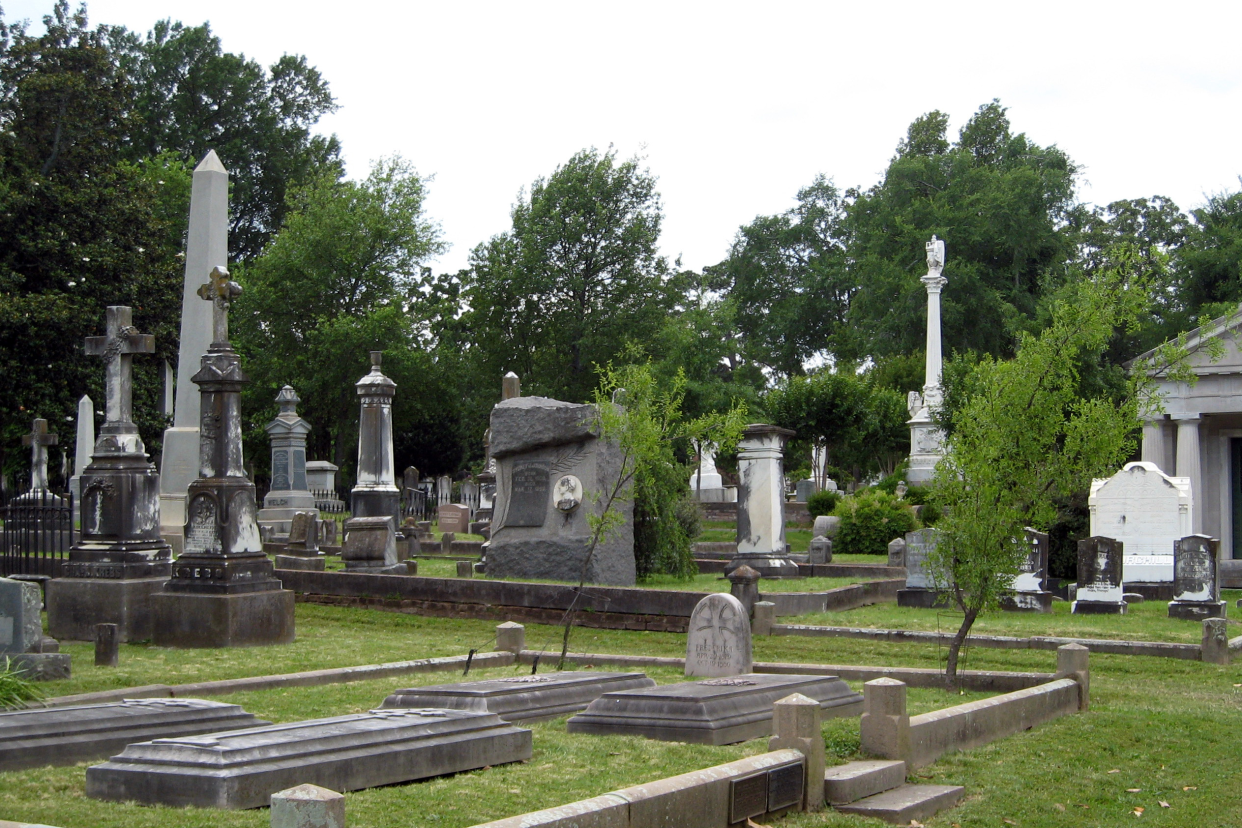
66, 735
718, 711
521, 698
243, 768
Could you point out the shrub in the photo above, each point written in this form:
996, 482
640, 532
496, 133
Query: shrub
822, 503
929, 514
869, 520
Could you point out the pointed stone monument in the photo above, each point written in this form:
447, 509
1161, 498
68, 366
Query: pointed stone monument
222, 593
926, 441
289, 493
82, 448
120, 560
207, 246
376, 493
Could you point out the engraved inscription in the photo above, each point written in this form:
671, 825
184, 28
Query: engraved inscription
202, 532
784, 787
280, 470
528, 499
748, 797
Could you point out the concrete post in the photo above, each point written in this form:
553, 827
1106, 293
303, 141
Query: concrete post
745, 586
1215, 641
510, 637
885, 726
308, 806
796, 723
1072, 662
765, 617
107, 645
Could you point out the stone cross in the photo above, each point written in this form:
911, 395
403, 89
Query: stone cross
118, 348
220, 290
39, 439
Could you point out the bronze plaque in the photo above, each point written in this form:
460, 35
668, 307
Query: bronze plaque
785, 786
748, 797
528, 493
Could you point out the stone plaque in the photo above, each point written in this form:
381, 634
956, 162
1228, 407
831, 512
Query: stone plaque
1194, 569
719, 642
748, 797
202, 531
299, 469
528, 497
785, 787
918, 544
280, 470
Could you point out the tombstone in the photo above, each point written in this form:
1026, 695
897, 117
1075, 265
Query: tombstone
222, 593
1030, 588
321, 475
706, 484
718, 641
469, 496
39, 520
897, 552
207, 245
819, 551
371, 546
921, 590
1196, 587
1100, 572
532, 698
82, 448
826, 526
453, 518
120, 560
302, 550
1147, 511
242, 769
22, 641
551, 472
444, 490
327, 533
290, 489
409, 478
761, 503
376, 493
803, 490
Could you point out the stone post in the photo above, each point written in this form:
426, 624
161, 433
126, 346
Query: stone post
1073, 662
885, 726
107, 645
1215, 647
761, 503
1188, 465
510, 386
745, 586
764, 617
796, 723
510, 637
308, 806
465, 569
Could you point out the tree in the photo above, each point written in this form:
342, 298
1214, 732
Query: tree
1211, 259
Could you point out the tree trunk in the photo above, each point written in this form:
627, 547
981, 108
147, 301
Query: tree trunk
955, 646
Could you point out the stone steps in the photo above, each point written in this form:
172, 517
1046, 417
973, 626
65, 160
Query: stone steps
855, 780
878, 789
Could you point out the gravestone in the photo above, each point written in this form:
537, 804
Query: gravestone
1147, 511
376, 493
819, 551
718, 641
826, 526
39, 519
21, 619
804, 489
1030, 587
1100, 571
120, 559
302, 550
706, 484
453, 518
1196, 585
222, 593
761, 503
921, 590
243, 768
897, 552
290, 490
371, 546
521, 698
551, 472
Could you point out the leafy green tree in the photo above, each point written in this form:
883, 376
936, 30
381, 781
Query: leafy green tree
1211, 258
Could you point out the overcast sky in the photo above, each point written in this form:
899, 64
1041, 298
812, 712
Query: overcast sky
735, 106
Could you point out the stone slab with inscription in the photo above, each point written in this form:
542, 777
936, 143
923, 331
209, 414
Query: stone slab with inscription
521, 698
1196, 584
717, 711
719, 640
1029, 591
920, 588
1100, 573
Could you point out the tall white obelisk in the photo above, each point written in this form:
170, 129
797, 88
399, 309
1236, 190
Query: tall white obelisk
926, 441
207, 246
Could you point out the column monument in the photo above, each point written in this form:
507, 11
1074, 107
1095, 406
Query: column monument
289, 493
926, 441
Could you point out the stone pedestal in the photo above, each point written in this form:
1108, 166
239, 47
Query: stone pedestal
371, 546
761, 503
926, 441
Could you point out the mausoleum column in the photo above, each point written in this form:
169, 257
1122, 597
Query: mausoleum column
1153, 443
1188, 464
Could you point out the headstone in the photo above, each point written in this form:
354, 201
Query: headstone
82, 447
465, 569
826, 526
1100, 572
453, 518
302, 550
1147, 512
926, 440
207, 246
107, 645
804, 489
920, 588
706, 483
376, 494
1196, 587
761, 503
409, 478
718, 642
321, 475
1029, 590
718, 711
819, 551
371, 546
897, 552
552, 471
222, 593
444, 490
243, 768
521, 698
21, 619
290, 489
68, 735
120, 559
308, 806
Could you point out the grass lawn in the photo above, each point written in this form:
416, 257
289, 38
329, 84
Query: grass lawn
1168, 728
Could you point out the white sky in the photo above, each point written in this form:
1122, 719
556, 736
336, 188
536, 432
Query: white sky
736, 106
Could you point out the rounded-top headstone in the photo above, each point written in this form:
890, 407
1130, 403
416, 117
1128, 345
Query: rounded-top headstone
719, 643
826, 526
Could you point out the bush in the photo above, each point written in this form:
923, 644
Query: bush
930, 514
822, 503
869, 520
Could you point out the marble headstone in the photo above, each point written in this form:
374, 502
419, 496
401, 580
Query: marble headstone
1196, 586
719, 641
453, 517
1145, 510
1029, 589
1100, 573
920, 589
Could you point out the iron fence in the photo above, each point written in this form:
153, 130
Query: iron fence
37, 533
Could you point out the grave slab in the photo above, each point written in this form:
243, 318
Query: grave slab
908, 803
521, 698
720, 711
243, 768
67, 735
856, 780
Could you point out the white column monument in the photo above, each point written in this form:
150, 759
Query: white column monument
1153, 442
207, 247
926, 441
761, 503
1188, 464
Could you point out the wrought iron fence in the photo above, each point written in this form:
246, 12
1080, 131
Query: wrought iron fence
37, 533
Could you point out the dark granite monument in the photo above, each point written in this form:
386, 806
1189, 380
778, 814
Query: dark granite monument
1030, 589
1196, 587
222, 593
120, 561
1099, 589
521, 698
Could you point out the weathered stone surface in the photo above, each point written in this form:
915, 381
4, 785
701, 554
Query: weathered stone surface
453, 517
289, 492
107, 645
244, 619
554, 423
557, 560
819, 551
908, 803
370, 545
1196, 585
855, 780
41, 666
521, 698
21, 620
761, 503
826, 526
797, 726
75, 605
717, 711
719, 640
1100, 562
243, 768
67, 735
897, 552
510, 637
308, 806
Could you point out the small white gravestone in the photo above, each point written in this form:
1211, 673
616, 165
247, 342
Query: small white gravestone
1147, 511
719, 640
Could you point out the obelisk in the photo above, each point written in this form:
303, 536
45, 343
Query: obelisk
926, 441
82, 449
207, 247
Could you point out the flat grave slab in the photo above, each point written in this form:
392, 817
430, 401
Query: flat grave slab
66, 735
243, 768
719, 711
521, 698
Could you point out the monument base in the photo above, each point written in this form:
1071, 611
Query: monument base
1151, 590
768, 566
1098, 608
521, 698
40, 666
561, 559
1196, 610
1027, 602
307, 563
922, 598
366, 569
76, 605
243, 619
